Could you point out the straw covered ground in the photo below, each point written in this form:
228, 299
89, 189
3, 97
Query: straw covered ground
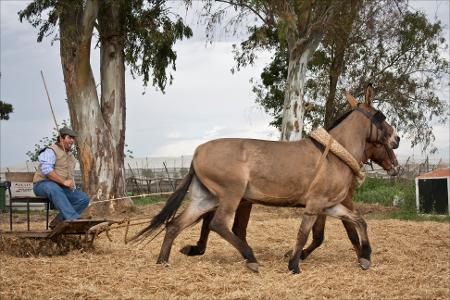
410, 261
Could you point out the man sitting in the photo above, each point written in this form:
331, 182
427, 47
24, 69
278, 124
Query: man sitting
54, 178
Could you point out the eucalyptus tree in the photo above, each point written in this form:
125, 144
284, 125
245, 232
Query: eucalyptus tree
139, 33
389, 44
298, 27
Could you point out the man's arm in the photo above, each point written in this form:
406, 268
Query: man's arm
47, 161
58, 179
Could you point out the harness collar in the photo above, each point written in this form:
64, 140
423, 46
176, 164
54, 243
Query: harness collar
324, 138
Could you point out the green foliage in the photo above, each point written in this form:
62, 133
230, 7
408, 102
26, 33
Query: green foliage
43, 143
383, 191
150, 36
398, 50
148, 31
46, 142
5, 110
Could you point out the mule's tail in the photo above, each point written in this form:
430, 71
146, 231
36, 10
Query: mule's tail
169, 210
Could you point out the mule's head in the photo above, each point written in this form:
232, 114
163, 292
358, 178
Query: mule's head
380, 131
382, 156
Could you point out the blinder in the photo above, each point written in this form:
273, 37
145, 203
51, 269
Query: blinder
377, 119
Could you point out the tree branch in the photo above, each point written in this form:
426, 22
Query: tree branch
88, 21
241, 4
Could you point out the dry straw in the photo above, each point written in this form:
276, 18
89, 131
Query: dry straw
410, 261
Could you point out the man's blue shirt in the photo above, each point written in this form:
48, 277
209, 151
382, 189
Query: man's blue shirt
47, 161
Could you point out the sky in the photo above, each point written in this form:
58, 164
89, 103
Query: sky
206, 101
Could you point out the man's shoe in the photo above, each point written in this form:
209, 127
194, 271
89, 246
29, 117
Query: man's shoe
54, 222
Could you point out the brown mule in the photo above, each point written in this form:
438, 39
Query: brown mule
271, 173
379, 154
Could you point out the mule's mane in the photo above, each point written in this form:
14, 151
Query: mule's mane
339, 120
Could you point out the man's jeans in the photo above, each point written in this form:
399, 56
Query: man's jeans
70, 203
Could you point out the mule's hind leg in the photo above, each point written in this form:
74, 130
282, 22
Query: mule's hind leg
221, 224
340, 211
239, 228
199, 249
202, 202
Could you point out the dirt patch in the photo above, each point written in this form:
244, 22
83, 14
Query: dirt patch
409, 261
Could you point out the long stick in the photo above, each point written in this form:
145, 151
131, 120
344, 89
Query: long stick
168, 176
49, 101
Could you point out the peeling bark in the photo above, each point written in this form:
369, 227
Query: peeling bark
303, 38
100, 124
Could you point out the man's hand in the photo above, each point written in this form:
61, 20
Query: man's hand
58, 179
69, 183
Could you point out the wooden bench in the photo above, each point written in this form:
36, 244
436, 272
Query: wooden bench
20, 189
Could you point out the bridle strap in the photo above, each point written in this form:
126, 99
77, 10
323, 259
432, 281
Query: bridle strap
393, 160
373, 121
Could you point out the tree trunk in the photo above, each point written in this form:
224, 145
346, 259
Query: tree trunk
112, 73
303, 38
300, 51
100, 137
293, 110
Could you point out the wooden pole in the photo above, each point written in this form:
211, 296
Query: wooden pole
49, 101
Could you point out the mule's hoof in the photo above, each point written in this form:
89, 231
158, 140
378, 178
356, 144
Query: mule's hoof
294, 268
253, 267
164, 264
364, 263
186, 250
191, 250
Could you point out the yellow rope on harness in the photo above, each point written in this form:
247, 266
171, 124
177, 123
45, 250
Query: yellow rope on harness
323, 137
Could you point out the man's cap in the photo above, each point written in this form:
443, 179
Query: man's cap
67, 131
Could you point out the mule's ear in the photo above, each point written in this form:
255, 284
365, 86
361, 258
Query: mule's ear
351, 100
369, 94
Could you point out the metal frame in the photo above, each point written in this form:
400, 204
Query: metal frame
27, 200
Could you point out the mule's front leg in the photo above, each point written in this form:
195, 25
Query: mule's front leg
302, 236
340, 211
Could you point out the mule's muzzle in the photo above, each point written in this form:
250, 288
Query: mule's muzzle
394, 141
397, 139
394, 171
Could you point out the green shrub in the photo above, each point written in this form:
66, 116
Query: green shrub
384, 191
150, 199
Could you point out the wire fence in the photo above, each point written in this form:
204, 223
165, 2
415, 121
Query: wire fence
161, 175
